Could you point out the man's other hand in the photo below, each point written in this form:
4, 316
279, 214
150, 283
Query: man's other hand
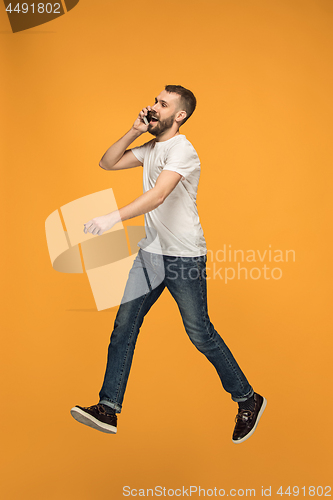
99, 225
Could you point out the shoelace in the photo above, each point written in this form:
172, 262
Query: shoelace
243, 415
99, 407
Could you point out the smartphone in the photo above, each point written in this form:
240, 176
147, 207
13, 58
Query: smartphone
146, 119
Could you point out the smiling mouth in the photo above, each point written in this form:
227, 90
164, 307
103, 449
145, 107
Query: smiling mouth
153, 119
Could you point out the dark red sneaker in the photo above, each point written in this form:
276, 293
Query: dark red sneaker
247, 421
96, 417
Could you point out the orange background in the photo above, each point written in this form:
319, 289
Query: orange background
262, 73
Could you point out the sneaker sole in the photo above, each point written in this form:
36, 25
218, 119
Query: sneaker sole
91, 421
261, 411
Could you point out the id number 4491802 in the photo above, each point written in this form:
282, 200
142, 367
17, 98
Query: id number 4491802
311, 491
35, 8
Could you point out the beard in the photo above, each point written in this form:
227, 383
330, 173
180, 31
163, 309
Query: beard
157, 128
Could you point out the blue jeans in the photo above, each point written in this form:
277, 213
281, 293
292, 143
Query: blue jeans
185, 278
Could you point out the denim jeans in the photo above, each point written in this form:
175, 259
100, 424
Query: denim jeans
185, 278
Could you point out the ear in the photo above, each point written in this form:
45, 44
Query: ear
181, 115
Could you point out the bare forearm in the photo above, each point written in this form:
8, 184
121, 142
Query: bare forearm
145, 203
116, 151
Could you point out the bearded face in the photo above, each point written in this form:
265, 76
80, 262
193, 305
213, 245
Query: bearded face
157, 126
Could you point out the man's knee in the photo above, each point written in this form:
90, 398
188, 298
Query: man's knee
199, 338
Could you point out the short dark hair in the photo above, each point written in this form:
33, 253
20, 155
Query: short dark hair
187, 99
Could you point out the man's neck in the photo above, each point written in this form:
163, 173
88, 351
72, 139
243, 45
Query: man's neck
168, 134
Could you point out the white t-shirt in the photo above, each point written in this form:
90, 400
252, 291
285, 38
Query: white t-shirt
173, 228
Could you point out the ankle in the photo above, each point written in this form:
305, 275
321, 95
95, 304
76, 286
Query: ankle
249, 404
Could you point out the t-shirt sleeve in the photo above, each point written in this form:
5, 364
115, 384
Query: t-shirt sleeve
140, 151
183, 159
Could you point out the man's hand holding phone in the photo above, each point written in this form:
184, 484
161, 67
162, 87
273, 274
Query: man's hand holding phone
142, 121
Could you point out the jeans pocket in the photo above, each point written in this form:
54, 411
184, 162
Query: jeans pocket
155, 259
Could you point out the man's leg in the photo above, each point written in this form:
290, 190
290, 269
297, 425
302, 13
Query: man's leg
186, 280
144, 285
124, 336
